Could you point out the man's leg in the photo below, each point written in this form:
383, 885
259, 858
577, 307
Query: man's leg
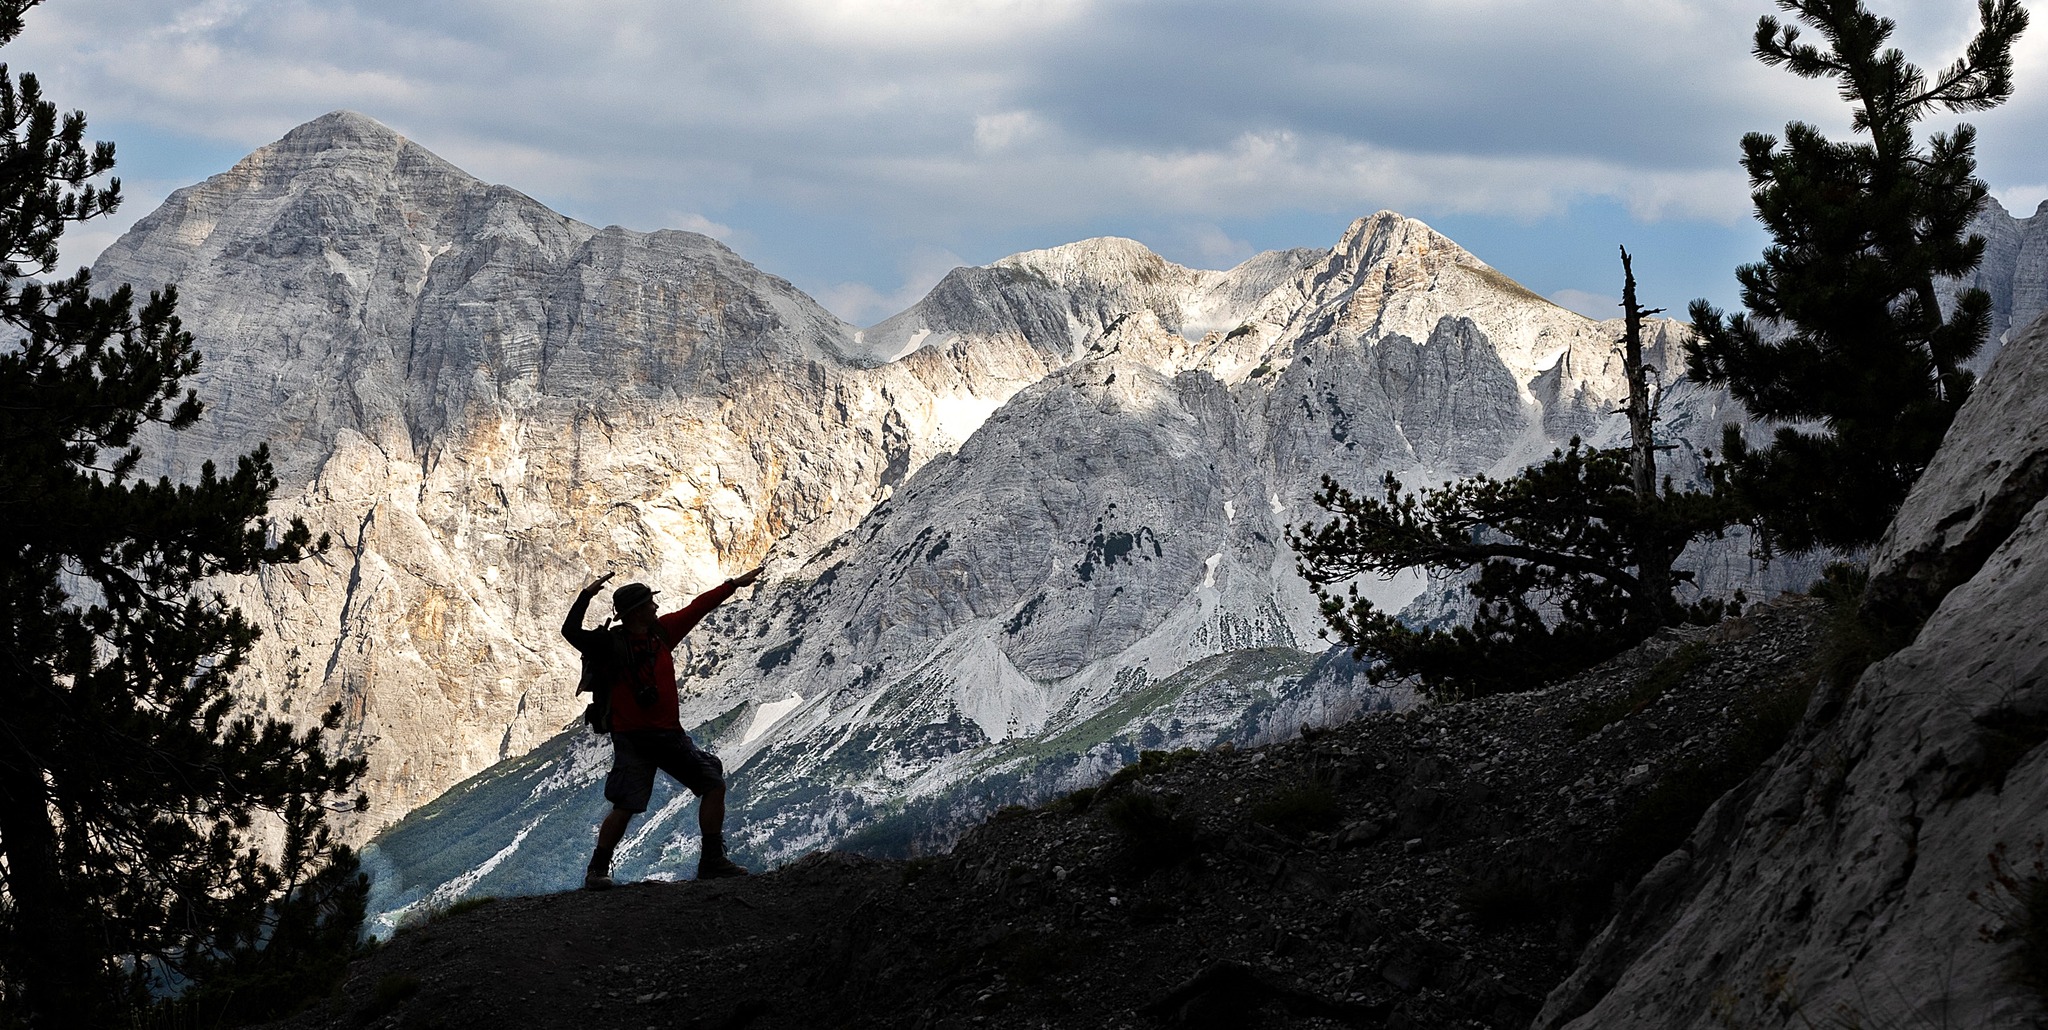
598, 875
610, 832
704, 775
711, 820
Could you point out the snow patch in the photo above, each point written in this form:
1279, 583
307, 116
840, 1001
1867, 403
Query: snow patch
909, 347
958, 413
768, 715
459, 886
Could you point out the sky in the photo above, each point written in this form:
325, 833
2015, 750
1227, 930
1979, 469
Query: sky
863, 148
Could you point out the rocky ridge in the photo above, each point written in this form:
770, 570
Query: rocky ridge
482, 401
1430, 868
1750, 829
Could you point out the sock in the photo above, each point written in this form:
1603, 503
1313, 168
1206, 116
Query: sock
601, 861
714, 845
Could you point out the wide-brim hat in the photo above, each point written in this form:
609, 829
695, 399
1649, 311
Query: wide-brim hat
631, 596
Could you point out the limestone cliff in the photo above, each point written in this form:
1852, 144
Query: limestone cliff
2014, 271
1886, 868
483, 403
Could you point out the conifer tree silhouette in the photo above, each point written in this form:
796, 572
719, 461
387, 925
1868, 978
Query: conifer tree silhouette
1844, 336
133, 789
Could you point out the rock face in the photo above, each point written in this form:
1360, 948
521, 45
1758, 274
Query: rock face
1017, 532
1886, 868
2014, 271
483, 402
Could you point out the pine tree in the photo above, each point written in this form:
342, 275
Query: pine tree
132, 787
1844, 336
1573, 556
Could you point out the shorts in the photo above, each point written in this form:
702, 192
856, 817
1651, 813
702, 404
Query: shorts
636, 754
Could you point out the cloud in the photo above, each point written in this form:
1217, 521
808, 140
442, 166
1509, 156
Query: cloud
863, 305
1217, 248
970, 125
1591, 305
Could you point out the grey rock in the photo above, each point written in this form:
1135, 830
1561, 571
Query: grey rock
2014, 271
1926, 799
1975, 491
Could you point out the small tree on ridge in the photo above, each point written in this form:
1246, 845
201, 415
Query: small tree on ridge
1574, 556
1867, 367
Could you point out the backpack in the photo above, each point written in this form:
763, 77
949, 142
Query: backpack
600, 667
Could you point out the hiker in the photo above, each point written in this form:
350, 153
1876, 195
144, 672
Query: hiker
637, 677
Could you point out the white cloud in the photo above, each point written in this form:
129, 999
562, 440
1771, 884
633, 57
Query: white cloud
1217, 249
994, 133
918, 24
1592, 305
885, 123
864, 305
694, 222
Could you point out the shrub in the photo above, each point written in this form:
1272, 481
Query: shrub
1149, 763
429, 914
1852, 639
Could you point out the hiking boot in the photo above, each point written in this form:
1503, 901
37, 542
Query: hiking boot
718, 867
596, 880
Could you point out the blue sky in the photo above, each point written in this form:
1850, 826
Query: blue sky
861, 148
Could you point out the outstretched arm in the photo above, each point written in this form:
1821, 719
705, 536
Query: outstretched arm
572, 626
681, 621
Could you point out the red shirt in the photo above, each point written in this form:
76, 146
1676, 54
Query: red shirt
653, 662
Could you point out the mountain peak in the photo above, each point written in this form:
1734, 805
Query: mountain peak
354, 123
1387, 234
344, 140
1101, 259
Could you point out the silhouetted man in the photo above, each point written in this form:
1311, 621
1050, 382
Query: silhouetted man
637, 671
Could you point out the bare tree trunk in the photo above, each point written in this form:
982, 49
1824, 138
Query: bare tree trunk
1653, 554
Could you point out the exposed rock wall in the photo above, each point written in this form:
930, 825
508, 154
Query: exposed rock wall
2014, 272
1873, 875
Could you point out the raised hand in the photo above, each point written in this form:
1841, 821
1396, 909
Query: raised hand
747, 578
597, 584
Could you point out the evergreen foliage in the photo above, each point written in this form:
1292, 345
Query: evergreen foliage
1844, 335
1573, 556
134, 795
